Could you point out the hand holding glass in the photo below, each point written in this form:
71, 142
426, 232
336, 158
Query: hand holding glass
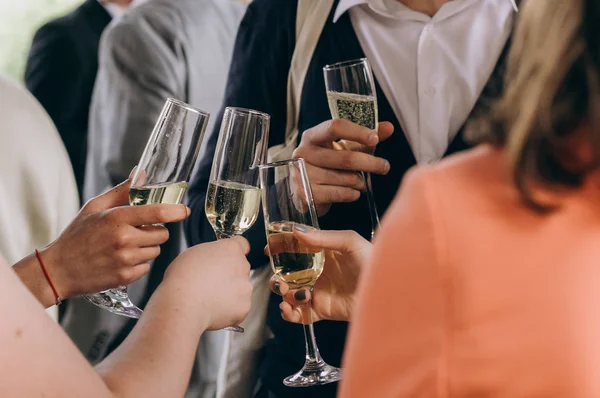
288, 206
161, 176
351, 95
233, 194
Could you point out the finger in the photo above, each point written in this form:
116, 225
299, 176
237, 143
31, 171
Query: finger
342, 241
150, 214
285, 242
339, 129
385, 130
114, 197
137, 272
242, 244
278, 285
331, 194
347, 160
289, 313
322, 176
151, 235
297, 297
144, 254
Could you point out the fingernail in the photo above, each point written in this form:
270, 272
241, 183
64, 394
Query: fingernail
373, 140
188, 210
301, 228
386, 166
277, 288
300, 295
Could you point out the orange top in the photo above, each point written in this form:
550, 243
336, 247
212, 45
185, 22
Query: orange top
473, 294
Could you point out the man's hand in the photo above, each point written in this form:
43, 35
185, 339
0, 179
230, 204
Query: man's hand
334, 152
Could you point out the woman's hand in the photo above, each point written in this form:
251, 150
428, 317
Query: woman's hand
108, 244
213, 280
346, 254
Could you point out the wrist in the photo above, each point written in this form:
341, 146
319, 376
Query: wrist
32, 276
54, 265
171, 296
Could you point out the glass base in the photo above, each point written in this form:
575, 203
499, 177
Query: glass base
238, 329
116, 301
314, 375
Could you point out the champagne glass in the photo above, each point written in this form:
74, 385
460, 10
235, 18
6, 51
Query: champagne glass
288, 206
351, 95
233, 197
161, 176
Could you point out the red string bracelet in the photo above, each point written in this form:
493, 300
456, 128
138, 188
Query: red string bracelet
39, 257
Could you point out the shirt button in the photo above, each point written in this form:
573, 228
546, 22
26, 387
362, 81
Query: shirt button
430, 91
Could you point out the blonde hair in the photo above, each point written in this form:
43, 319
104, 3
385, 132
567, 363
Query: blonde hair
551, 88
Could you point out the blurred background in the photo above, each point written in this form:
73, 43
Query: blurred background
20, 19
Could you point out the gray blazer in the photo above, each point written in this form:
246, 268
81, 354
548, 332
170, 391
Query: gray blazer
162, 48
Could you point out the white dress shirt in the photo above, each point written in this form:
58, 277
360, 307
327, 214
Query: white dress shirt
431, 69
116, 10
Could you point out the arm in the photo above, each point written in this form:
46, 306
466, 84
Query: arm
156, 358
257, 80
139, 67
396, 340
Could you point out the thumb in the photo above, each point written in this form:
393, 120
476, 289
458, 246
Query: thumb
385, 130
116, 196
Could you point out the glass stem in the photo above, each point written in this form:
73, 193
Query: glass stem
372, 205
313, 357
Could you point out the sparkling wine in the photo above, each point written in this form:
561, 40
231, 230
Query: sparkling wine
359, 109
298, 265
159, 193
231, 207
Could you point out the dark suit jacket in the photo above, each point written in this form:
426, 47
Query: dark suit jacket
61, 71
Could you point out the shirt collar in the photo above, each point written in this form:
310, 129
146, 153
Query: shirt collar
116, 11
345, 5
379, 6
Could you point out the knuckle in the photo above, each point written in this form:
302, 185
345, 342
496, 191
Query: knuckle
162, 233
124, 258
122, 238
125, 276
162, 214
335, 124
299, 152
354, 180
330, 196
347, 159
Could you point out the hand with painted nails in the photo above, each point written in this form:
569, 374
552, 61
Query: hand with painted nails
334, 152
108, 244
346, 254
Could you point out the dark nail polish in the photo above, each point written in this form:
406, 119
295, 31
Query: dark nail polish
300, 295
277, 288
